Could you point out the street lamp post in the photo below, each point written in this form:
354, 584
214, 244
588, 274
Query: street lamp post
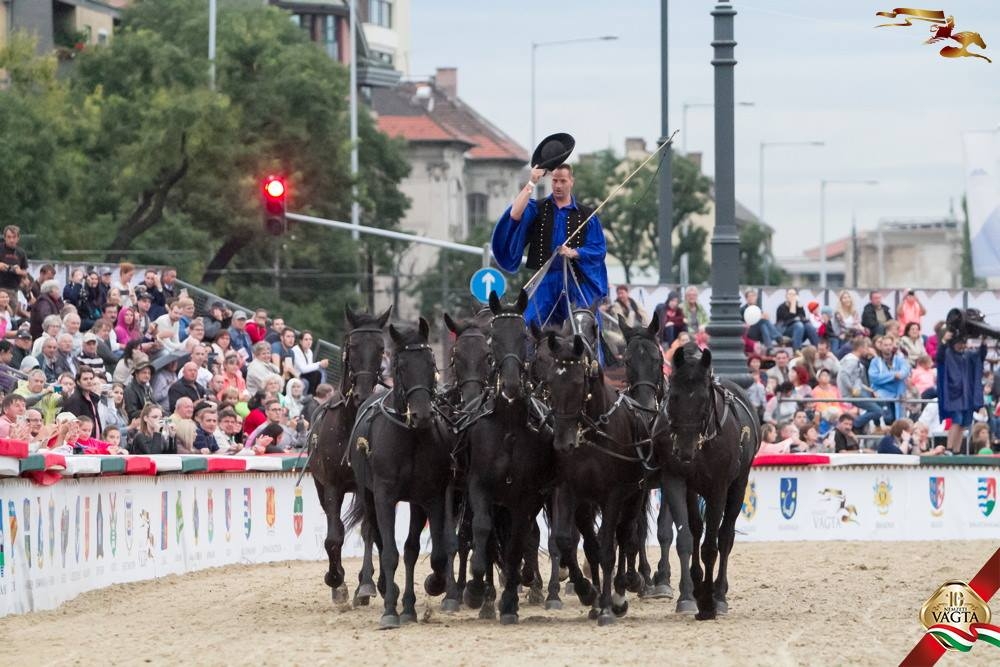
822, 222
726, 326
696, 105
534, 47
763, 145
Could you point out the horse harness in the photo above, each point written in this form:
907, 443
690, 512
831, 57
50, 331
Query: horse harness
350, 375
709, 428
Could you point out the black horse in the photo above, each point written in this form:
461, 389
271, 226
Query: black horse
404, 456
361, 373
597, 462
510, 460
646, 386
707, 434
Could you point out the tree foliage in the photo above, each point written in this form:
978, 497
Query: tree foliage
136, 156
755, 255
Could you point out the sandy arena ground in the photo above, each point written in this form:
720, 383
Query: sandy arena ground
827, 603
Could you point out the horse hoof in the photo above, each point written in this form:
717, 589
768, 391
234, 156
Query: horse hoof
488, 613
361, 601
705, 616
434, 585
340, 594
593, 613
332, 580
563, 573
535, 596
389, 622
633, 582
472, 601
366, 591
407, 617
687, 607
508, 619
553, 604
721, 607
659, 591
619, 611
587, 598
605, 619
568, 588
450, 606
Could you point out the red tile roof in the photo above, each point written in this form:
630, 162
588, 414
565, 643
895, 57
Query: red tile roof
438, 117
834, 249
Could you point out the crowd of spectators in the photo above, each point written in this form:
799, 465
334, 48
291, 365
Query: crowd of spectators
805, 359
112, 364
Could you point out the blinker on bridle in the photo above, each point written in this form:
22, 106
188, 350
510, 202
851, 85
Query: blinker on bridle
407, 393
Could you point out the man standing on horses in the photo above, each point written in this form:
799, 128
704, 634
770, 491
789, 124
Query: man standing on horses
543, 227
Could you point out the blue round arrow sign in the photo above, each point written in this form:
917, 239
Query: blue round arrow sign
485, 281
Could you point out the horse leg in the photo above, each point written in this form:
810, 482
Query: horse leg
370, 535
697, 525
552, 600
592, 552
334, 543
411, 551
512, 564
436, 582
385, 511
610, 517
675, 492
727, 535
566, 544
482, 527
705, 594
530, 574
464, 547
488, 611
452, 599
665, 536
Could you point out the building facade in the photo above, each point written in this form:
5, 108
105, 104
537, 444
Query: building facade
65, 26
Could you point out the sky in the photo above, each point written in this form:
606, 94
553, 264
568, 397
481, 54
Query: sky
887, 106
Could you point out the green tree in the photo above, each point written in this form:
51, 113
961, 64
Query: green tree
754, 255
969, 279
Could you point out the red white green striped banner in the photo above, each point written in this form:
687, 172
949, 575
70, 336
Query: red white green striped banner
959, 640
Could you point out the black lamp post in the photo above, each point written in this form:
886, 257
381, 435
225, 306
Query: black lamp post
726, 327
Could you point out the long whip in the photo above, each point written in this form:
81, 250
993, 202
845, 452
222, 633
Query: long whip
530, 286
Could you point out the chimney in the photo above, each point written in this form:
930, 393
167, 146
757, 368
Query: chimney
695, 158
635, 148
446, 80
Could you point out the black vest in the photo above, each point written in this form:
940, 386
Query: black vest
540, 236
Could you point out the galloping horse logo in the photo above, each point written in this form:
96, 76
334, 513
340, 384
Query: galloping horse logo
936, 489
943, 27
986, 493
789, 496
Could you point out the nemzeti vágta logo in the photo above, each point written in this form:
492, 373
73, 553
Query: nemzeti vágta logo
789, 496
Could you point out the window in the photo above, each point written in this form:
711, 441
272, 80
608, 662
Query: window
330, 37
380, 13
477, 209
381, 57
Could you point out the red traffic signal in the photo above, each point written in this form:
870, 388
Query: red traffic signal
275, 193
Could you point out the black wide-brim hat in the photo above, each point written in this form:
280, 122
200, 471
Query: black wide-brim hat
553, 150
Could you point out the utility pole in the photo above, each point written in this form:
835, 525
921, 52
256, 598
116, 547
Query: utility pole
664, 226
212, 10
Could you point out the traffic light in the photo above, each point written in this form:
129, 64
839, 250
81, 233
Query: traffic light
275, 198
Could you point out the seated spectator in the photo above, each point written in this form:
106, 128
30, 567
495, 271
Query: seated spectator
875, 315
71, 327
844, 439
195, 334
90, 302
811, 443
295, 398
208, 422
846, 320
924, 375
186, 304
22, 347
671, 319
695, 315
768, 434
781, 371
84, 400
126, 290
217, 320
167, 328
780, 408
826, 359
38, 394
309, 371
922, 443
45, 273
112, 407
281, 355
51, 362
800, 383
153, 289
324, 392
898, 439
184, 426
260, 368
51, 328
792, 321
269, 441
239, 339
74, 288
887, 373
47, 304
273, 334
806, 360
88, 444
788, 444
624, 305
88, 357
912, 343
13, 407
831, 408
163, 377
756, 392
64, 439
131, 356
980, 439
153, 435
229, 434
8, 374
39, 433
67, 353
893, 330
186, 385
127, 327
257, 328
932, 342
138, 392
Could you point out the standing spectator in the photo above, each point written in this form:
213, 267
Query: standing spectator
959, 385
626, 306
910, 310
695, 315
310, 371
257, 328
138, 392
186, 385
875, 315
671, 319
45, 273
13, 262
764, 332
126, 290
239, 339
47, 304
89, 305
74, 288
792, 321
260, 368
888, 372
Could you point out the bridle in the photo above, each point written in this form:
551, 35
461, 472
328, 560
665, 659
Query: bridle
658, 387
460, 383
521, 361
410, 391
589, 372
351, 374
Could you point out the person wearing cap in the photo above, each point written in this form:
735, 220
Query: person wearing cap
239, 339
138, 392
22, 347
143, 307
556, 226
66, 434
89, 358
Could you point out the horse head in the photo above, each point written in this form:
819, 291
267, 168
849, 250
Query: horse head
470, 356
509, 346
364, 348
643, 364
414, 373
690, 401
570, 378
